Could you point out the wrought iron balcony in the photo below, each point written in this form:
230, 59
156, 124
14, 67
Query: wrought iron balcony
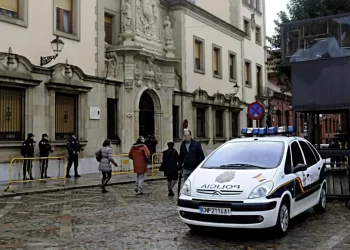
316, 39
263, 92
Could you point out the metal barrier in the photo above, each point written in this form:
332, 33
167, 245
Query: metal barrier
20, 168
125, 165
157, 159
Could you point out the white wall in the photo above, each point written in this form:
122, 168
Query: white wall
34, 41
219, 8
210, 36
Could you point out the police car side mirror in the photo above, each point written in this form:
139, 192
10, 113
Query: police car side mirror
300, 168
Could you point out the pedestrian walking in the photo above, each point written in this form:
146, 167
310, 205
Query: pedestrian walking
104, 157
73, 147
45, 149
170, 166
191, 154
140, 154
27, 151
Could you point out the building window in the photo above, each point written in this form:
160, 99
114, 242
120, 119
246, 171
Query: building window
200, 123
249, 122
176, 122
334, 126
257, 5
112, 119
11, 114
248, 73
108, 29
246, 27
258, 35
330, 125
64, 16
258, 81
219, 124
301, 123
199, 55
286, 117
9, 8
217, 61
233, 66
234, 124
66, 107
278, 117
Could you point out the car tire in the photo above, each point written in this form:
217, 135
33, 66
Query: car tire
321, 206
283, 219
194, 228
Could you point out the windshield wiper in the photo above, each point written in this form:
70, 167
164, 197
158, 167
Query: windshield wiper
240, 165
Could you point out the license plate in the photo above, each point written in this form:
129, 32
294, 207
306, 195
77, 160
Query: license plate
215, 211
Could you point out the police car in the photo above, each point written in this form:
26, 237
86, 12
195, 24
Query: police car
255, 182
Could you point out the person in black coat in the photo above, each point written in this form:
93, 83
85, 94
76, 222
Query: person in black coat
170, 166
73, 147
45, 149
27, 151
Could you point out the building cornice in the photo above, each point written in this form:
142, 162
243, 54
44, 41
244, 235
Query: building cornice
205, 17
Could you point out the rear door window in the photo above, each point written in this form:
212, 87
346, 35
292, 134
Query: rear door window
297, 155
309, 155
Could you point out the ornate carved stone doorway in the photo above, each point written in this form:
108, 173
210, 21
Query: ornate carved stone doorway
146, 115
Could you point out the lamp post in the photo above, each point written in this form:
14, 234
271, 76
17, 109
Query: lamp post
57, 46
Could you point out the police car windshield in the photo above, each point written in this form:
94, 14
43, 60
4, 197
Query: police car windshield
247, 155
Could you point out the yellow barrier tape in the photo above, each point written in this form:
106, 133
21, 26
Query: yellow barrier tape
28, 166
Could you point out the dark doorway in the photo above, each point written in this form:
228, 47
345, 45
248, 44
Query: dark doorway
146, 115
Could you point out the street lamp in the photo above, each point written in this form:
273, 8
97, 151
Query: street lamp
57, 46
235, 89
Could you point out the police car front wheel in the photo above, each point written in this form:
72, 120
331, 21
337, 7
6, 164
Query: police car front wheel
282, 223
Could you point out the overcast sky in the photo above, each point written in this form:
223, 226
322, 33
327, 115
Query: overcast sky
272, 8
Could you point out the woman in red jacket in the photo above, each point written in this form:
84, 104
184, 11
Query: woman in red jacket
140, 154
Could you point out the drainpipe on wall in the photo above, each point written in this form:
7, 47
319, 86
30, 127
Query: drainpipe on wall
181, 96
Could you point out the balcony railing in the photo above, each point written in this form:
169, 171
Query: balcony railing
263, 91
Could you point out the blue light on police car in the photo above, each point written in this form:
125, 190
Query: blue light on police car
255, 131
291, 129
262, 131
272, 130
244, 131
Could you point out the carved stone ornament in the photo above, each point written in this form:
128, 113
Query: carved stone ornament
10, 61
126, 16
234, 101
168, 33
129, 114
138, 73
67, 72
158, 77
201, 95
166, 117
219, 98
147, 11
112, 64
149, 68
128, 84
252, 21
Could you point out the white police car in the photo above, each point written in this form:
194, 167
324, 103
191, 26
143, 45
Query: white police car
255, 182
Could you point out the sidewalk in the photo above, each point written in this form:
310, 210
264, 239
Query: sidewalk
86, 181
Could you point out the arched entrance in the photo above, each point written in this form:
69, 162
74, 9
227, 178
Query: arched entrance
146, 115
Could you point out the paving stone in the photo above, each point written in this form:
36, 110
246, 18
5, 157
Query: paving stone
88, 219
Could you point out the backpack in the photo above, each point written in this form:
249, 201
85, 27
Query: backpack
99, 156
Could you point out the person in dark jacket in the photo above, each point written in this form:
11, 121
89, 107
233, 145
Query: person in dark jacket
73, 147
27, 151
334, 159
170, 166
191, 154
45, 149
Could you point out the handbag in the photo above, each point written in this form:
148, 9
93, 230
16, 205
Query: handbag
99, 156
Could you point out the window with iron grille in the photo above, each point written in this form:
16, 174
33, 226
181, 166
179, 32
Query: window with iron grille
112, 119
66, 116
176, 122
219, 124
12, 114
200, 123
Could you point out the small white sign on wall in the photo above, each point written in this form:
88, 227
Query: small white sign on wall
95, 113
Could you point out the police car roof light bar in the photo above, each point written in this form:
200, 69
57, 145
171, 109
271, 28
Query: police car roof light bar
283, 130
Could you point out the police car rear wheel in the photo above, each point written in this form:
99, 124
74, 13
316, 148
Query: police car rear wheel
282, 223
321, 206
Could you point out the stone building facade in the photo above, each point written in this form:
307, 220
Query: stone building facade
127, 68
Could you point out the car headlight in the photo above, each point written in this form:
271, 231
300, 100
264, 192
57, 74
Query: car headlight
261, 190
186, 188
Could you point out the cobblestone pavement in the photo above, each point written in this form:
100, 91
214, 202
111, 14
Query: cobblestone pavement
87, 219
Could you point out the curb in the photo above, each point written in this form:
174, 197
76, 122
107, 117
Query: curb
52, 190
